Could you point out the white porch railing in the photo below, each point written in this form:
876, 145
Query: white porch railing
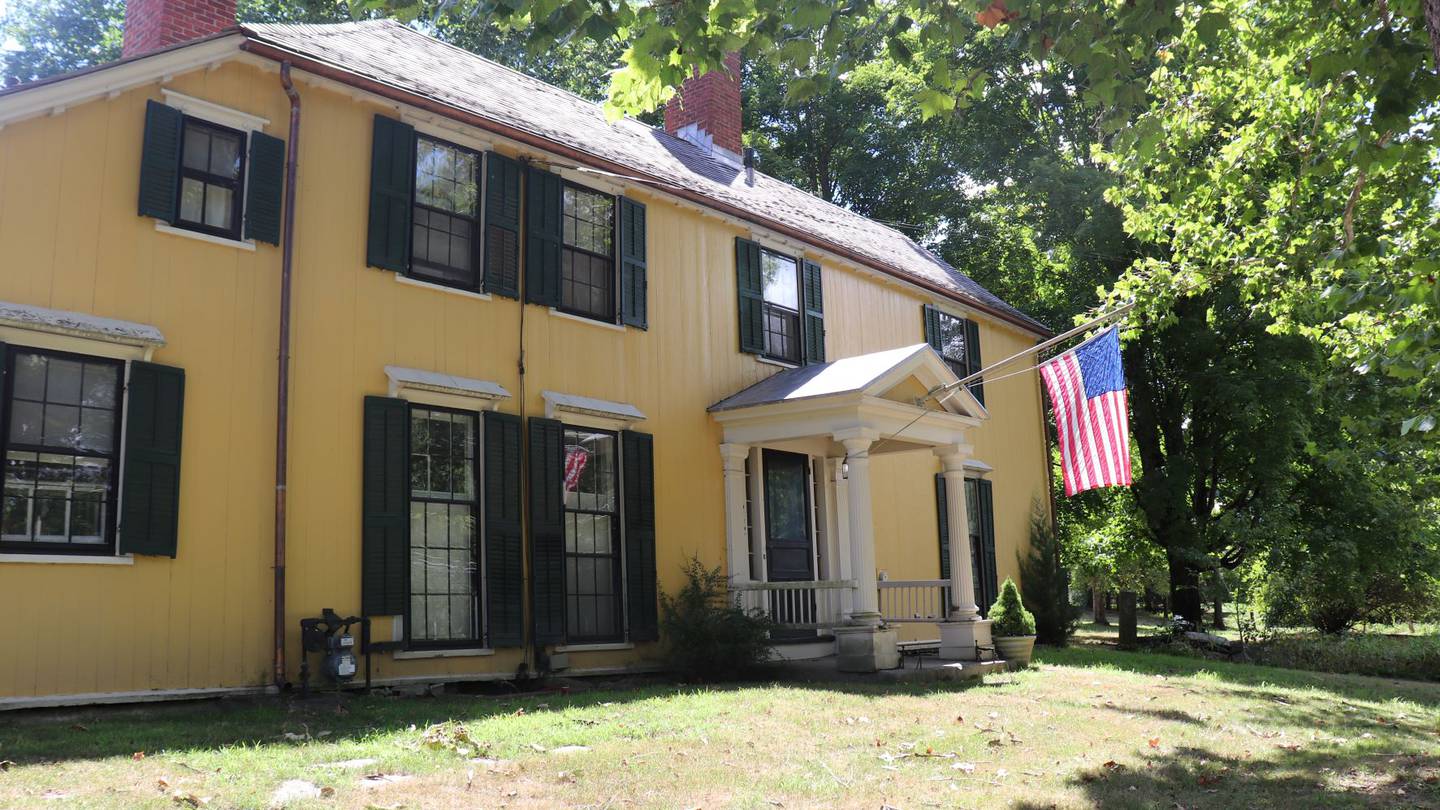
914, 600
796, 605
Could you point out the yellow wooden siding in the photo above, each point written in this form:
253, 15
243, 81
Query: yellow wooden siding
72, 240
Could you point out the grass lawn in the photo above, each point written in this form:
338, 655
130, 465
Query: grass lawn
1085, 727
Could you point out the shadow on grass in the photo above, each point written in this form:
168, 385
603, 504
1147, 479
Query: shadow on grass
1196, 777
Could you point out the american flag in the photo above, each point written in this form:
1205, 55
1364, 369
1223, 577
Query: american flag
576, 458
1087, 390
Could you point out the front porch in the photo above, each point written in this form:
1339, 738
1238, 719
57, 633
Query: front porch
800, 531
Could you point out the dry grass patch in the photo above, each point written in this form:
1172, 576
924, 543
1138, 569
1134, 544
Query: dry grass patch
1084, 728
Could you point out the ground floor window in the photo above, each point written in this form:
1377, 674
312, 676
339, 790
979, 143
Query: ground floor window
61, 452
594, 584
445, 576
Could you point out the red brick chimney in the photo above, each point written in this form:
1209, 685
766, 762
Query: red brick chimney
707, 108
153, 24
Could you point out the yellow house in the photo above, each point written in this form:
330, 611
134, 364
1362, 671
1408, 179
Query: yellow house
298, 317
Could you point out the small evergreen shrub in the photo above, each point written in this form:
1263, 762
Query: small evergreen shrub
708, 638
1008, 615
1046, 585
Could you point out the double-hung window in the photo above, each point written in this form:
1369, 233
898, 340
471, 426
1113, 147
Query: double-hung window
587, 266
957, 341
781, 306
594, 586
445, 242
61, 453
212, 172
445, 562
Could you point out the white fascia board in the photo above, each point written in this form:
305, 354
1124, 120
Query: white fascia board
418, 379
80, 324
65, 93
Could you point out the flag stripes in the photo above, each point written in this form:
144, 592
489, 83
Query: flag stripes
1094, 431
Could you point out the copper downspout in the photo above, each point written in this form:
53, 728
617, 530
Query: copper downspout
282, 397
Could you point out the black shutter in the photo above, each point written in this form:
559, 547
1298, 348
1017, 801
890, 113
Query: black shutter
385, 508
633, 271
504, 540
392, 181
942, 510
160, 161
265, 188
932, 330
547, 530
972, 358
812, 304
544, 236
989, 576
637, 452
150, 497
502, 226
751, 286
4, 412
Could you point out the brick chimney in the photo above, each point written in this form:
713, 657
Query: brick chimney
154, 24
706, 111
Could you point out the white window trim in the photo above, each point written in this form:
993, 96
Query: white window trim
444, 390
573, 409
210, 111
770, 361
585, 319
975, 468
77, 332
600, 647
441, 128
69, 559
242, 244
468, 652
427, 285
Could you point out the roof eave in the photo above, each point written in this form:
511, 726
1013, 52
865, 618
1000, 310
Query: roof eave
256, 45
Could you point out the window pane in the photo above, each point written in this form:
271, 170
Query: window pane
952, 338
197, 147
781, 280
99, 386
192, 199
62, 384
587, 285
30, 376
97, 429
25, 421
219, 202
589, 220
15, 518
225, 155
442, 526
592, 556
445, 177
62, 426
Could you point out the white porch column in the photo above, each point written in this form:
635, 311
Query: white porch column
862, 528
964, 636
962, 577
737, 540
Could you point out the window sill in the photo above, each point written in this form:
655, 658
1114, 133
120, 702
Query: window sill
770, 361
69, 559
205, 237
471, 652
429, 285
614, 645
591, 321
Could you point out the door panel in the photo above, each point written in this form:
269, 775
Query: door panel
788, 550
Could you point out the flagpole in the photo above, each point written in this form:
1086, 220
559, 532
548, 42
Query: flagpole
1037, 348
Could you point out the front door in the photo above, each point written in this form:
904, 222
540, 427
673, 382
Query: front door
788, 553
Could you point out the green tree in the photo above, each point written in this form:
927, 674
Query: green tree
55, 36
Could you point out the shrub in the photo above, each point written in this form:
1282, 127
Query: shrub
1047, 585
706, 637
1008, 615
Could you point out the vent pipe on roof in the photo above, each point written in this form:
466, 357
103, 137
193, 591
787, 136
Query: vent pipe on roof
154, 24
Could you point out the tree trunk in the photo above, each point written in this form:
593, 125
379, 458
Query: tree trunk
1185, 598
1097, 604
1432, 25
1219, 614
1129, 634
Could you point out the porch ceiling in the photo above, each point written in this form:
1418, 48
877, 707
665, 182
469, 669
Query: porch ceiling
877, 395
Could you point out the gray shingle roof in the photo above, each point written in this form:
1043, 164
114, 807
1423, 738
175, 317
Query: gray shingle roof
391, 53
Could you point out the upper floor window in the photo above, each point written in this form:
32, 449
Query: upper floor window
781, 294
61, 452
444, 244
212, 171
587, 267
957, 341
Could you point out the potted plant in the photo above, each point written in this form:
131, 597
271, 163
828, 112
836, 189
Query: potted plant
1012, 626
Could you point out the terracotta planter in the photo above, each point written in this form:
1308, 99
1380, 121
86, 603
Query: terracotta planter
1015, 648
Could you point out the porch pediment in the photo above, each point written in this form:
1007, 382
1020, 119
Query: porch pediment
880, 394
